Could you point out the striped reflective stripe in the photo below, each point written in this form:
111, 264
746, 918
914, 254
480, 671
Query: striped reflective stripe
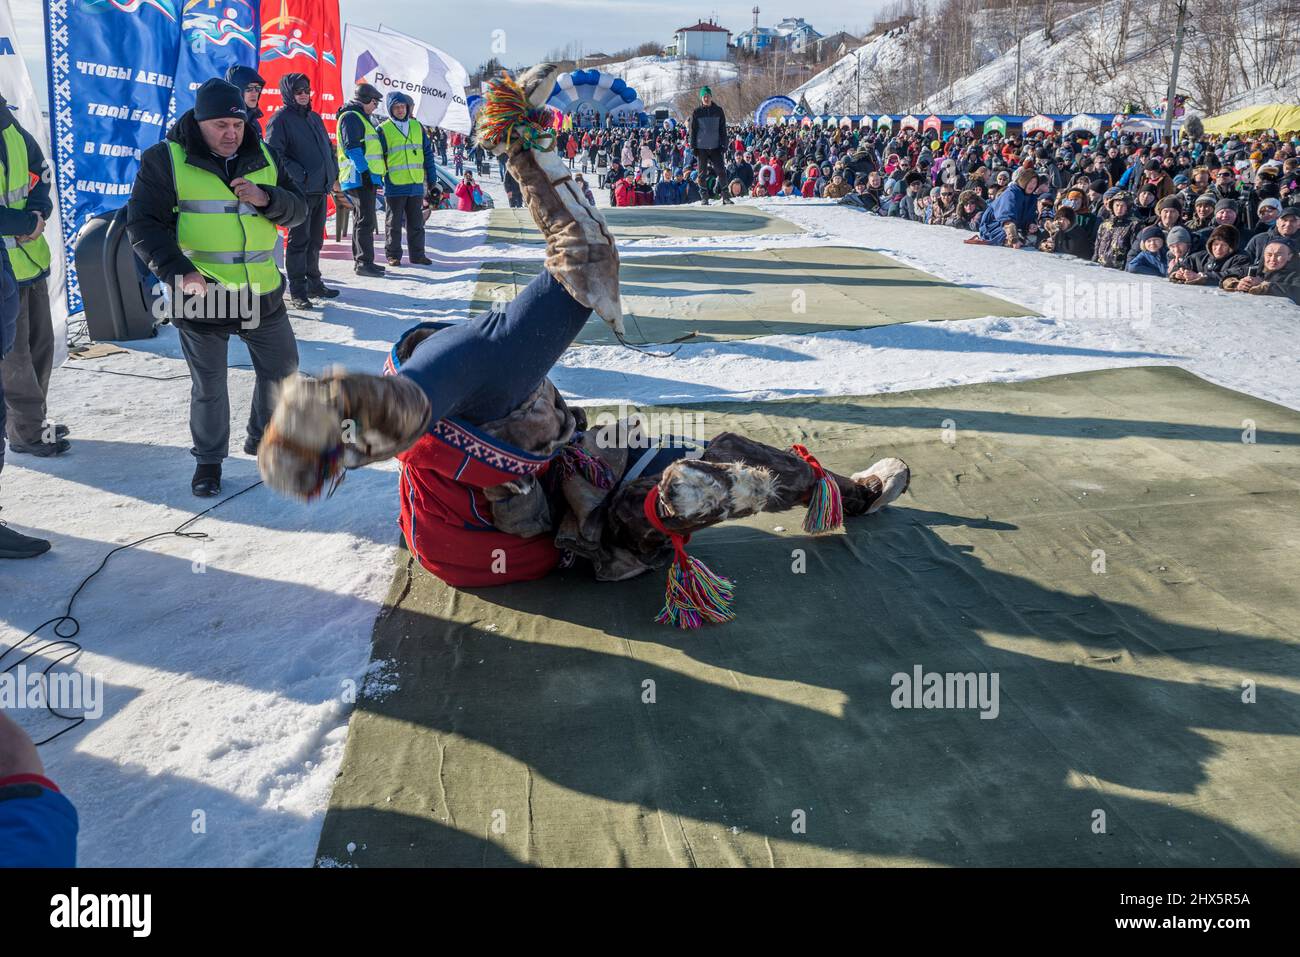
406, 166
217, 206
11, 242
229, 259
14, 195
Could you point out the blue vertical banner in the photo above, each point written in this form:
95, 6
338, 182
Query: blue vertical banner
112, 66
215, 35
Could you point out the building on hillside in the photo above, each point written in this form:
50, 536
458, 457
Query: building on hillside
793, 33
836, 45
704, 41
757, 39
798, 33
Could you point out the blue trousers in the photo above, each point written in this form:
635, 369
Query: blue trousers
483, 369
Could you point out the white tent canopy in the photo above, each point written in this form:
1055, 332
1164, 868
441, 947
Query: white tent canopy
1082, 122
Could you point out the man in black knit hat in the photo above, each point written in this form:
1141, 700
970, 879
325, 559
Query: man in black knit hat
203, 214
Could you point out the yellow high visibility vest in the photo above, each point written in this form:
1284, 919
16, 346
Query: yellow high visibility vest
228, 241
31, 259
403, 155
374, 153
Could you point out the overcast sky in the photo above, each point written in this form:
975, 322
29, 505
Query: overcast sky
531, 28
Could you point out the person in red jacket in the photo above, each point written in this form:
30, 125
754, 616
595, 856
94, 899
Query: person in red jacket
465, 193
500, 480
625, 191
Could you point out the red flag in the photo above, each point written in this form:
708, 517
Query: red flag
302, 36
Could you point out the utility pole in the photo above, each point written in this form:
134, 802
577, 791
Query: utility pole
1017, 72
857, 76
1173, 76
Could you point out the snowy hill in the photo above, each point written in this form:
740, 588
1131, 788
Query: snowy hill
660, 78
1095, 59
853, 84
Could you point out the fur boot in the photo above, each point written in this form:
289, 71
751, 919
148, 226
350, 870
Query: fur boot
580, 249
342, 420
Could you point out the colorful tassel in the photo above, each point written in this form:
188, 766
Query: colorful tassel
694, 594
825, 502
575, 460
506, 111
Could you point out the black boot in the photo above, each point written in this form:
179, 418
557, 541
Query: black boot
41, 449
322, 291
16, 545
422, 261
207, 481
369, 269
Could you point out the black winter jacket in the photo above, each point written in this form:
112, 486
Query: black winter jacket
708, 128
1255, 247
151, 215
297, 133
1233, 265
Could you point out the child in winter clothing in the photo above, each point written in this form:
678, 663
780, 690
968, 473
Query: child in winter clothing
1150, 261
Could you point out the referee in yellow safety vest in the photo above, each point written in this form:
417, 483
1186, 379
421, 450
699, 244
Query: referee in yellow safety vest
409, 166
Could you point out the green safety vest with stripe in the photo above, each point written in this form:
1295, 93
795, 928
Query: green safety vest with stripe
31, 259
403, 156
374, 153
227, 241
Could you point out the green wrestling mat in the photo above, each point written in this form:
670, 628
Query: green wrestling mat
516, 226
709, 297
554, 723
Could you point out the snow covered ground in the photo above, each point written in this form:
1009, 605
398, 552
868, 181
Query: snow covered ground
226, 661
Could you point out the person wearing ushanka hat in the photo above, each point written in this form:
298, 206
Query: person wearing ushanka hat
1219, 260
